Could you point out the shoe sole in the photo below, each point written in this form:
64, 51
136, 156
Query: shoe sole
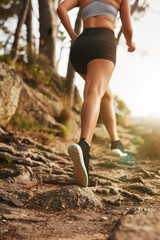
118, 153
79, 172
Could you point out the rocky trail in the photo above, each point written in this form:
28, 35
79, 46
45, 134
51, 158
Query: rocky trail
40, 200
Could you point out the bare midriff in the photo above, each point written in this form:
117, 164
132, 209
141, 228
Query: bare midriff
100, 21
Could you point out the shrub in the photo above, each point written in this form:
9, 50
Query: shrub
137, 140
150, 149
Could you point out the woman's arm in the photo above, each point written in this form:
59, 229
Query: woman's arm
62, 10
126, 24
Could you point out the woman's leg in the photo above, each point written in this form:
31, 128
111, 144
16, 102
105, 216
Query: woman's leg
99, 72
108, 114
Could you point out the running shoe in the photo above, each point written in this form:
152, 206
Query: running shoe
79, 153
117, 149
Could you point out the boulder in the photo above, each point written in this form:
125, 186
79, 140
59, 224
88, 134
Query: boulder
26, 103
140, 226
68, 197
10, 88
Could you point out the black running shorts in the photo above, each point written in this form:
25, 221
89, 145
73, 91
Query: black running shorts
93, 43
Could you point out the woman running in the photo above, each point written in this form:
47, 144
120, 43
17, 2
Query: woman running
93, 56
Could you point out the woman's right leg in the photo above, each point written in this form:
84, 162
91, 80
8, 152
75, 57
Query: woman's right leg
109, 119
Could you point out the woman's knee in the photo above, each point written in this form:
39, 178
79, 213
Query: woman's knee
94, 92
108, 94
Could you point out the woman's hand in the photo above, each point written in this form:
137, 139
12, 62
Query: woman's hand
131, 47
74, 37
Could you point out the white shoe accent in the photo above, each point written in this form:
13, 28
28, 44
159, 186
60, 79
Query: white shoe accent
79, 172
118, 153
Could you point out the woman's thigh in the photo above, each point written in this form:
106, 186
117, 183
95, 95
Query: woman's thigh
99, 72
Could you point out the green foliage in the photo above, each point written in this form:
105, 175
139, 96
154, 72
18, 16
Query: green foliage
61, 36
18, 121
1, 45
39, 75
122, 120
137, 140
7, 59
39, 71
5, 160
120, 106
122, 111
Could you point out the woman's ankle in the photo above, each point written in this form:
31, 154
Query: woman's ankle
86, 140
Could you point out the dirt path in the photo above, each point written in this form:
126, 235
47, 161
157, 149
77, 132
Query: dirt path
39, 198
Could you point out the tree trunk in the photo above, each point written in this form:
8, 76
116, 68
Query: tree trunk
48, 29
21, 21
71, 72
30, 44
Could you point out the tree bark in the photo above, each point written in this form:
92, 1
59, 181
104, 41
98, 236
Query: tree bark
30, 43
21, 21
48, 29
71, 72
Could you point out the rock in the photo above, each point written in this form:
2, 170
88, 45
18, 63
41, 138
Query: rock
6, 173
132, 196
10, 200
68, 197
139, 226
113, 200
20, 214
142, 189
23, 217
57, 179
147, 174
14, 93
104, 218
10, 88
136, 179
36, 109
2, 131
24, 195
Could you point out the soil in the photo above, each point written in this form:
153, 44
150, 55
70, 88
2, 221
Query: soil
40, 200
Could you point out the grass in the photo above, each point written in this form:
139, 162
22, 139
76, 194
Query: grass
5, 160
21, 123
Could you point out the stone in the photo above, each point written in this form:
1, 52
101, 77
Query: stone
14, 92
142, 189
10, 200
140, 226
68, 197
10, 88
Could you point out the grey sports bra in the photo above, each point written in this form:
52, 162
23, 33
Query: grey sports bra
99, 7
